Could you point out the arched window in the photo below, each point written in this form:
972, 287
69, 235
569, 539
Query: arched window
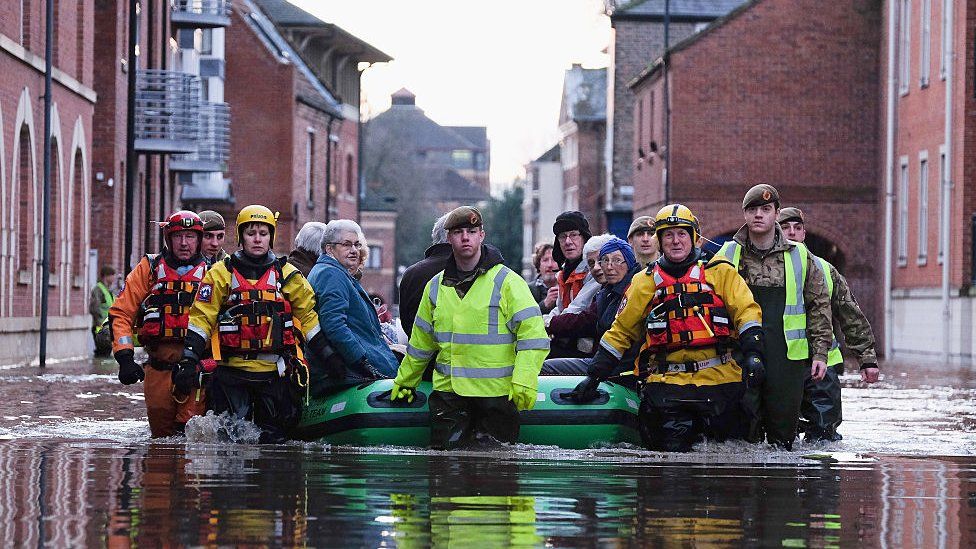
26, 229
79, 244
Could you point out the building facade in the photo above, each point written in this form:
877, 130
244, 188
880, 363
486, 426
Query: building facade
541, 203
583, 131
22, 64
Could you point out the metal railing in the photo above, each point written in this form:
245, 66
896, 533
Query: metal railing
200, 13
167, 111
213, 141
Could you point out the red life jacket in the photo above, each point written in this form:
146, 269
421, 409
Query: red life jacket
166, 310
570, 287
685, 312
255, 317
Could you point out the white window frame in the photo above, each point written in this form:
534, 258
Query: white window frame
925, 44
903, 178
945, 40
942, 179
375, 259
904, 46
923, 208
309, 164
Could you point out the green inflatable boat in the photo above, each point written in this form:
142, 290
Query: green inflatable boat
364, 416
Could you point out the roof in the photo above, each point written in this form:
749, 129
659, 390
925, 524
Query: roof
680, 10
280, 48
552, 155
289, 16
411, 124
584, 95
450, 186
476, 135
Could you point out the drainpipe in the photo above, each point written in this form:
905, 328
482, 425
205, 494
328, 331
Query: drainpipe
328, 168
666, 58
890, 177
132, 64
946, 226
46, 208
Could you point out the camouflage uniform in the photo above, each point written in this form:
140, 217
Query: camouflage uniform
858, 335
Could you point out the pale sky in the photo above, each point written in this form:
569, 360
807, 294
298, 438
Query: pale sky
494, 63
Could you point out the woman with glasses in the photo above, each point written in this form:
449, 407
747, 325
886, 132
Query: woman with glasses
346, 311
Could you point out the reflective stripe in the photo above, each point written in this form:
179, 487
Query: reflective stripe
657, 279
125, 340
530, 344
798, 309
798, 267
796, 334
750, 324
313, 332
494, 304
522, 315
199, 331
835, 344
731, 250
609, 348
423, 325
474, 373
418, 353
682, 367
434, 285
474, 339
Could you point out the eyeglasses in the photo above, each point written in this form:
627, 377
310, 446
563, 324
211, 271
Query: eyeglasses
563, 237
616, 262
346, 244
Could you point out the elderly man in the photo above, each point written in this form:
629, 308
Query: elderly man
544, 288
308, 246
346, 312
564, 344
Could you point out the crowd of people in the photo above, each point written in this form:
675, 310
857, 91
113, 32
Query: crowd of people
735, 345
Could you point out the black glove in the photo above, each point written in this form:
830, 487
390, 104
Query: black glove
604, 364
186, 376
323, 354
129, 371
753, 371
585, 391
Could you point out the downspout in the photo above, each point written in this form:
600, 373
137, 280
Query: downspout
889, 179
328, 168
666, 58
946, 226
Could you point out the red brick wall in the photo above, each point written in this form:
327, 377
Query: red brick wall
380, 229
346, 199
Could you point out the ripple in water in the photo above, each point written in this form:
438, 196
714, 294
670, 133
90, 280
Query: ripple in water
221, 428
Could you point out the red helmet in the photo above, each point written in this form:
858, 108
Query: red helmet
183, 220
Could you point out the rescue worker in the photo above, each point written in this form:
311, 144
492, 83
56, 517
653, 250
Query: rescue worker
690, 316
99, 301
256, 308
821, 409
155, 303
791, 290
478, 319
214, 231
641, 237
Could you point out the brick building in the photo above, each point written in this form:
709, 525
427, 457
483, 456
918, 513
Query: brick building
294, 82
636, 36
928, 138
22, 64
781, 92
583, 130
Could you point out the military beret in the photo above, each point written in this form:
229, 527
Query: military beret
642, 222
790, 214
760, 195
212, 221
462, 218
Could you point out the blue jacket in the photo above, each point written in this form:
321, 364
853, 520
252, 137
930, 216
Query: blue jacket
348, 319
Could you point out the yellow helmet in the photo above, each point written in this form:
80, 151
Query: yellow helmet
673, 216
256, 214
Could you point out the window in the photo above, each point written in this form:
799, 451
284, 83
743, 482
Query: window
945, 40
923, 208
375, 259
925, 45
904, 46
310, 169
462, 159
650, 118
903, 213
206, 42
942, 181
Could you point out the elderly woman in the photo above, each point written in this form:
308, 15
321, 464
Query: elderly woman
573, 347
345, 310
308, 246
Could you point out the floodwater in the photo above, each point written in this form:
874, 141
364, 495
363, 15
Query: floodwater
78, 469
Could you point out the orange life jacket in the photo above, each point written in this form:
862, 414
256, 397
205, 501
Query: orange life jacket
569, 287
256, 317
685, 312
166, 310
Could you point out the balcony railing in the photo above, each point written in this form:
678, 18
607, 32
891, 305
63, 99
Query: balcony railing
167, 111
213, 142
200, 14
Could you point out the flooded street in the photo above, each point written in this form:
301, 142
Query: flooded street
78, 469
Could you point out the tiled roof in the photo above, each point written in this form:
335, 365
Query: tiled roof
448, 185
421, 132
477, 135
287, 14
552, 155
688, 9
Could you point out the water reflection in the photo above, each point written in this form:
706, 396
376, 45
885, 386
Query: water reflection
79, 494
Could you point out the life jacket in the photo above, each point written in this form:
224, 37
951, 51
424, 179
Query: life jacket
166, 310
685, 312
255, 317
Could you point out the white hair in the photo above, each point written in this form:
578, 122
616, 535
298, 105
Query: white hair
310, 237
595, 243
336, 227
438, 235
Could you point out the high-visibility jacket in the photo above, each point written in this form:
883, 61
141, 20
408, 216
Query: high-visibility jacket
104, 303
795, 314
483, 343
212, 299
834, 356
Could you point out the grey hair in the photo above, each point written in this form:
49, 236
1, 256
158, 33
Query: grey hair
438, 235
310, 237
336, 227
595, 243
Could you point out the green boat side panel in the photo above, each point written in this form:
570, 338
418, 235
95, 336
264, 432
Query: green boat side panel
364, 416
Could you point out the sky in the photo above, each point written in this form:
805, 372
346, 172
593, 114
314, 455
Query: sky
494, 63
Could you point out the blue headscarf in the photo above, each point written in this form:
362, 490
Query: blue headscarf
615, 245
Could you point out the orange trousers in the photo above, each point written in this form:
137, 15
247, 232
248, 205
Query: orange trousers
164, 411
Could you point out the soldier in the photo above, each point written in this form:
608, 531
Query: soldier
642, 239
790, 288
821, 407
214, 230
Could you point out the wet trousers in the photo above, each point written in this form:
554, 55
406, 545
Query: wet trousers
782, 393
821, 409
264, 398
456, 421
675, 417
168, 413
